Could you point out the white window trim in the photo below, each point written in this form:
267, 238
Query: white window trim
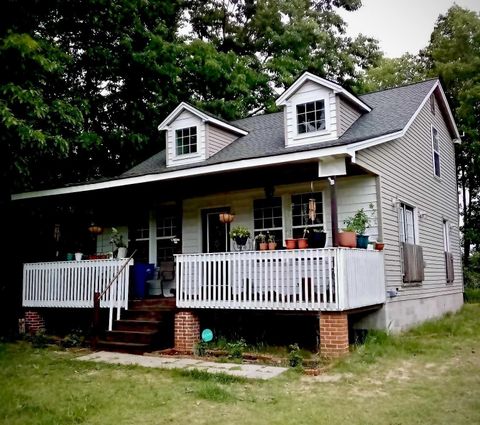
434, 152
447, 247
416, 231
190, 154
307, 98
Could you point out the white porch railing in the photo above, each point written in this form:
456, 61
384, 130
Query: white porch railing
73, 283
332, 279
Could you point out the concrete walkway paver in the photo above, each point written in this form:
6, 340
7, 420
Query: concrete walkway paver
250, 371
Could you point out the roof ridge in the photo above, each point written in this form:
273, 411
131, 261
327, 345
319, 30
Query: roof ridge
400, 87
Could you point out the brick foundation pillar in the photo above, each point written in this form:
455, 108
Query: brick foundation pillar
34, 322
333, 334
187, 330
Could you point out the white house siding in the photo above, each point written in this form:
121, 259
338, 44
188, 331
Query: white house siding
184, 120
347, 115
217, 139
309, 92
405, 169
352, 193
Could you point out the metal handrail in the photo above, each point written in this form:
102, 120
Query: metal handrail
116, 276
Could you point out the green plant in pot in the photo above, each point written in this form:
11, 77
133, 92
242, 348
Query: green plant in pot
359, 223
240, 235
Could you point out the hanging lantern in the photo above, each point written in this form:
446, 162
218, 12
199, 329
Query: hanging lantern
226, 217
312, 209
94, 229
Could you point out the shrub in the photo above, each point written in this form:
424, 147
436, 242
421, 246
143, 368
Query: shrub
295, 358
236, 349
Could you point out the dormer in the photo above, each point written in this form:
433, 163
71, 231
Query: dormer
194, 136
314, 110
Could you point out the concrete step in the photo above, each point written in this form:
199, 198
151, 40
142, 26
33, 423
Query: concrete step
148, 337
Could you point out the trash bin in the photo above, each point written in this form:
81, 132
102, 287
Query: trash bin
141, 273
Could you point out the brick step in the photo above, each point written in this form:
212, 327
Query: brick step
161, 304
137, 325
123, 347
148, 337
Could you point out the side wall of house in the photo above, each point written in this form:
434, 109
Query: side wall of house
346, 117
217, 139
406, 174
352, 193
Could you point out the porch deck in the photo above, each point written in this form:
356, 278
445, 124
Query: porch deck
329, 279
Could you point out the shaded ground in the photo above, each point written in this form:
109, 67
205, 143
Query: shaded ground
430, 375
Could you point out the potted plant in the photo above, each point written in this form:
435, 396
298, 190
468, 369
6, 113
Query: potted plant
262, 241
357, 224
240, 235
291, 243
271, 242
317, 238
117, 241
303, 242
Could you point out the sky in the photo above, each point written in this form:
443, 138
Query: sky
400, 25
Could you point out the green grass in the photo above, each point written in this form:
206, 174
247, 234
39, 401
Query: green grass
472, 295
430, 375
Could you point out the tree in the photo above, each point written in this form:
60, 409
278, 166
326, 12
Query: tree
454, 54
285, 37
393, 72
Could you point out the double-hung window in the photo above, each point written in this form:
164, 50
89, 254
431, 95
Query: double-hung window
186, 140
267, 217
311, 117
167, 229
307, 213
436, 152
407, 224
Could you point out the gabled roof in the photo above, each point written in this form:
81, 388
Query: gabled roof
307, 76
263, 143
205, 116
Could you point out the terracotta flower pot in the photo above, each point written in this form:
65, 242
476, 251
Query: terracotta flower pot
302, 243
272, 246
379, 246
347, 239
263, 246
291, 243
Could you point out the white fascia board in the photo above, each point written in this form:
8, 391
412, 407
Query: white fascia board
282, 100
208, 169
449, 112
204, 117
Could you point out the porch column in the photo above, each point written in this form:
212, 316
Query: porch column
187, 330
34, 322
333, 334
333, 210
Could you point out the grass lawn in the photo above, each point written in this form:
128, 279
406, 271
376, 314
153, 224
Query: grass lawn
430, 375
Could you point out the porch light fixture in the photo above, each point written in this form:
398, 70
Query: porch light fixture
226, 217
94, 229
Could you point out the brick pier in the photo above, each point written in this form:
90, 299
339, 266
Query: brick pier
333, 334
34, 322
187, 330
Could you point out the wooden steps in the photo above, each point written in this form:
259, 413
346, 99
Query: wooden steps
146, 326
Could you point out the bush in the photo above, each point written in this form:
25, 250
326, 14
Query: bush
295, 358
236, 349
75, 338
38, 339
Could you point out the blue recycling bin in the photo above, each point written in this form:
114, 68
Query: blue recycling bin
141, 273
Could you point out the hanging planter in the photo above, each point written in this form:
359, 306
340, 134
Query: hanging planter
226, 217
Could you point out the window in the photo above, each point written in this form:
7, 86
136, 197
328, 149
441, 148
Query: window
311, 117
436, 152
446, 236
407, 224
167, 229
267, 217
186, 140
300, 210
449, 265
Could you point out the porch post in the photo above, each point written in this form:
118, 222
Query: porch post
333, 210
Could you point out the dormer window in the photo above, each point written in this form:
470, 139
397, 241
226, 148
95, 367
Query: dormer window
186, 140
311, 117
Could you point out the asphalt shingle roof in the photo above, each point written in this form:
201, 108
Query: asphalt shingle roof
391, 111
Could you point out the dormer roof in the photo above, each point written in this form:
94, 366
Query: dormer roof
204, 116
337, 89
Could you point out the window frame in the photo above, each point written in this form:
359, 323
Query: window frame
305, 114
446, 235
321, 225
403, 235
189, 144
274, 229
436, 152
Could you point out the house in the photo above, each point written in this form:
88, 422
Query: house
323, 157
